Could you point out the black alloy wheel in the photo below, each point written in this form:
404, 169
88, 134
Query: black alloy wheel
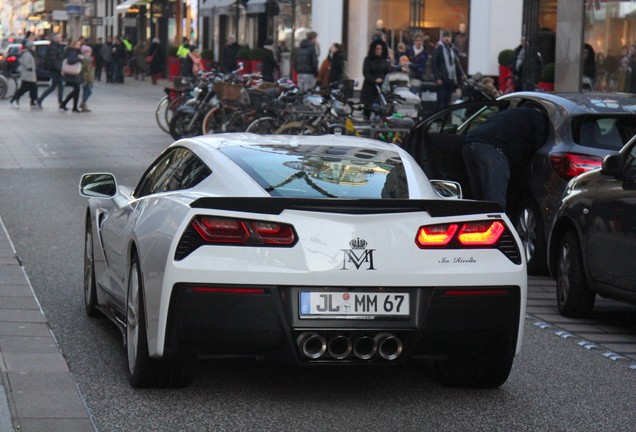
574, 298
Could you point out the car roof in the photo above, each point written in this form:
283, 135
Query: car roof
238, 139
583, 103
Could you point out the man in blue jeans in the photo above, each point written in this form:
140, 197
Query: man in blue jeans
53, 62
502, 145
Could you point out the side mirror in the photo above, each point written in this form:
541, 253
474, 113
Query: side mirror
98, 185
447, 189
613, 166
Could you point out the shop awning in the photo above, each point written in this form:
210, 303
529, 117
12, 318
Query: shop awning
123, 7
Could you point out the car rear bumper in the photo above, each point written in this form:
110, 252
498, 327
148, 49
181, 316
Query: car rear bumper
265, 321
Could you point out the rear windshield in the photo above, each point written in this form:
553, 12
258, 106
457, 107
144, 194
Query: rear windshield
311, 171
604, 132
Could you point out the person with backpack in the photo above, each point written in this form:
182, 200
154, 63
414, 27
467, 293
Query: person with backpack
53, 63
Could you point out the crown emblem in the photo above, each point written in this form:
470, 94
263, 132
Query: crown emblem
358, 243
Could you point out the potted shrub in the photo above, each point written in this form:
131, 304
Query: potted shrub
207, 58
506, 81
547, 78
174, 64
243, 55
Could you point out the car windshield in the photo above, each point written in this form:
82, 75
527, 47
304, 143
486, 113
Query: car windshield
322, 171
606, 132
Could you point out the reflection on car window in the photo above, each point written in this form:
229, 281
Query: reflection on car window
606, 132
322, 171
176, 169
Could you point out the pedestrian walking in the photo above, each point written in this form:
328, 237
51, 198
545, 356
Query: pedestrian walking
374, 68
72, 74
118, 59
447, 70
500, 147
87, 76
155, 60
186, 62
27, 75
140, 53
53, 63
228, 56
307, 62
107, 58
99, 61
269, 61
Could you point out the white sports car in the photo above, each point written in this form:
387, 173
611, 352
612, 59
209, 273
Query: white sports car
315, 250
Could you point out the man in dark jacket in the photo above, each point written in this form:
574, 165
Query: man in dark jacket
447, 70
53, 62
228, 56
307, 62
502, 145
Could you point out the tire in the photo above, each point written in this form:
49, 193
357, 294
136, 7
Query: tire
574, 298
295, 128
170, 110
474, 372
215, 119
90, 287
160, 114
180, 125
143, 371
263, 126
529, 226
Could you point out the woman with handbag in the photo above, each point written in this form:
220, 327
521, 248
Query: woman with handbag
71, 73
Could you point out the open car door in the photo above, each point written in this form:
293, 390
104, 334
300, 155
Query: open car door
436, 142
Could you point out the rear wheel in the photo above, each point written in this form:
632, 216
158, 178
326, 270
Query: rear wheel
90, 293
263, 126
182, 126
160, 114
529, 225
469, 371
215, 119
144, 371
4, 87
574, 298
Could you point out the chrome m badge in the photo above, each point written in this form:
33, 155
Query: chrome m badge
358, 255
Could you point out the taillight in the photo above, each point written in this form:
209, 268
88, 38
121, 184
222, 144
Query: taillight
484, 234
272, 233
436, 235
221, 230
11, 59
569, 165
481, 233
209, 230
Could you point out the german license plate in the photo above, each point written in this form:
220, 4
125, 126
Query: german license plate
353, 305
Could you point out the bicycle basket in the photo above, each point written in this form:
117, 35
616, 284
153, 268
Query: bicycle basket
260, 99
227, 91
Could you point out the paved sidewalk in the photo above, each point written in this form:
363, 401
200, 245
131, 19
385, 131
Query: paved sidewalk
37, 390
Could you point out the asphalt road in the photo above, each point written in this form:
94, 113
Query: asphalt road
555, 385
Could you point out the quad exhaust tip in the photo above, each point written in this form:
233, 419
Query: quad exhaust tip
313, 346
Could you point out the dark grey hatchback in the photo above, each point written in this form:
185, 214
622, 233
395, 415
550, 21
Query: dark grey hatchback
593, 241
583, 128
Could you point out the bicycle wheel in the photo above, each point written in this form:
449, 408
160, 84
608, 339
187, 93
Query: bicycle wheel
263, 126
216, 118
182, 125
160, 114
175, 103
295, 128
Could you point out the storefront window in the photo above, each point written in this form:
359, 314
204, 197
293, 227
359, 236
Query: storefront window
610, 33
294, 16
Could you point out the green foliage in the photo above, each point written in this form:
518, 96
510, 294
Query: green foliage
257, 54
547, 74
207, 54
506, 57
243, 53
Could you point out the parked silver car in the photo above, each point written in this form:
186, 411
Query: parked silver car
584, 127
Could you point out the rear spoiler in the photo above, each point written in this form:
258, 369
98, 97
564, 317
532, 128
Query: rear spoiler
276, 205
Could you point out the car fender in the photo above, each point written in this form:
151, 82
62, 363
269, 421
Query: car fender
189, 109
